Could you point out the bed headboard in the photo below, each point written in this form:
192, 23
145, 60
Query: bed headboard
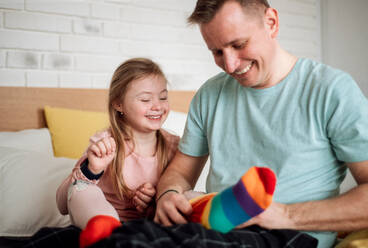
22, 107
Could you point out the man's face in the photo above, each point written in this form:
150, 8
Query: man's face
243, 45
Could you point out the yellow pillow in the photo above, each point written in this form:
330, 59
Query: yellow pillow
70, 129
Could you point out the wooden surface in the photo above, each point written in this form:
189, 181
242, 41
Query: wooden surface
22, 107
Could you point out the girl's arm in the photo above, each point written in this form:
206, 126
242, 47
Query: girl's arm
77, 174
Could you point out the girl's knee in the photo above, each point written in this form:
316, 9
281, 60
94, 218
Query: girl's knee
80, 187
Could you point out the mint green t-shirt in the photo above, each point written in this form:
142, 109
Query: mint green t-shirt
304, 129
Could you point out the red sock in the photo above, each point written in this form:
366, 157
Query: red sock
98, 227
198, 205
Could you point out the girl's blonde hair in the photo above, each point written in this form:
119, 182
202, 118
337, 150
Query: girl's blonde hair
131, 70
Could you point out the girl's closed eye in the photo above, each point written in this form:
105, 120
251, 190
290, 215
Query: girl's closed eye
163, 95
144, 97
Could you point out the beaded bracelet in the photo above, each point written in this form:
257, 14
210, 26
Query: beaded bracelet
167, 191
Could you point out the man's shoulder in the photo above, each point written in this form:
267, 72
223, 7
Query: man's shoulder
321, 76
324, 83
320, 70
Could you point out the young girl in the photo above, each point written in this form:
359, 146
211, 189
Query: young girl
118, 174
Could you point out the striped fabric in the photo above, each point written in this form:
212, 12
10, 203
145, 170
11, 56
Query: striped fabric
250, 196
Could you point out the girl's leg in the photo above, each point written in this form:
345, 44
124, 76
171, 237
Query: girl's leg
86, 200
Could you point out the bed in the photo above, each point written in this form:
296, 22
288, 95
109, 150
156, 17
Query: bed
34, 158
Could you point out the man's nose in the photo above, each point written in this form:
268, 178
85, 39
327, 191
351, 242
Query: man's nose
231, 61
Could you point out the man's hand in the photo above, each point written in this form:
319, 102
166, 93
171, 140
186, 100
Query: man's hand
276, 216
172, 208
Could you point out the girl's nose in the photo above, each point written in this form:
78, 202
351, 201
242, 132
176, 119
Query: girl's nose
156, 104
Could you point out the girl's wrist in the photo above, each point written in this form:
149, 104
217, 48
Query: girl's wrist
87, 172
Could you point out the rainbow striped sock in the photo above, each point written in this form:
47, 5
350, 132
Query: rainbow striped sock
250, 196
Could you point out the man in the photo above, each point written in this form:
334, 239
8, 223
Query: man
306, 121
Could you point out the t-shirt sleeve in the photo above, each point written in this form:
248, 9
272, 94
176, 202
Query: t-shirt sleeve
347, 120
194, 140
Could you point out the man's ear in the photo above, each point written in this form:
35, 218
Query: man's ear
271, 19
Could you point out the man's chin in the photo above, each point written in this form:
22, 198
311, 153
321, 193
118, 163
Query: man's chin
246, 83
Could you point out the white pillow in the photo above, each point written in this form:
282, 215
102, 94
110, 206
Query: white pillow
28, 183
38, 140
348, 183
175, 122
201, 182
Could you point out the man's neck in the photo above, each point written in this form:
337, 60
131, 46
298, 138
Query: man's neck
283, 65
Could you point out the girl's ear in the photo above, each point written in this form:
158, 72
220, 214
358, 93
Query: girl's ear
271, 19
117, 106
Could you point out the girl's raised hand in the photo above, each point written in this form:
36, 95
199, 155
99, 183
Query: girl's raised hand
144, 196
100, 154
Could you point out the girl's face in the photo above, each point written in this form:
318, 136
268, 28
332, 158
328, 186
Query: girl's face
145, 106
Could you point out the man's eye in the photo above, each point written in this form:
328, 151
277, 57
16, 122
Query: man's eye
239, 46
163, 98
217, 52
145, 100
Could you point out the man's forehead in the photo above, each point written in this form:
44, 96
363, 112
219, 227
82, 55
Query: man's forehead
219, 35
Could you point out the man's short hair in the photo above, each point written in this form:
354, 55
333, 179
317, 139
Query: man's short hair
205, 10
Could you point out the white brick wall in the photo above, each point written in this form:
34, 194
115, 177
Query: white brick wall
105, 11
101, 80
75, 80
100, 64
20, 39
178, 5
26, 60
65, 7
1, 19
2, 58
12, 4
87, 27
37, 22
42, 79
84, 44
158, 17
12, 77
79, 43
300, 26
56, 61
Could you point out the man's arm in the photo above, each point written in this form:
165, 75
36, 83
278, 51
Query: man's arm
180, 176
346, 212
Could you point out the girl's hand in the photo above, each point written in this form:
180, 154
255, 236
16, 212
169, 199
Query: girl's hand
143, 196
100, 154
